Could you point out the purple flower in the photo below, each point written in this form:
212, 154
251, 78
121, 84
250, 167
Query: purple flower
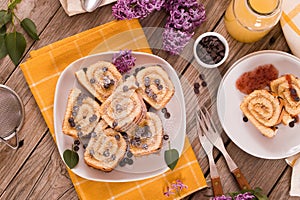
223, 197
245, 196
178, 185
169, 192
185, 17
123, 60
175, 40
128, 9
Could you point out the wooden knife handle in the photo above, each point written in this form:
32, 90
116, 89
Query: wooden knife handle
217, 186
240, 178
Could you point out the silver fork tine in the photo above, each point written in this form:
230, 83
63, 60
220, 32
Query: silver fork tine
209, 118
215, 138
208, 148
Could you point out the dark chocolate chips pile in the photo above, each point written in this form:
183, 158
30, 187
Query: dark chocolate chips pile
210, 50
197, 85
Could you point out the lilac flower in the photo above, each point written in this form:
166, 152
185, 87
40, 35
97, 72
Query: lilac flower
245, 196
178, 185
223, 197
169, 192
128, 9
175, 189
185, 17
123, 60
174, 40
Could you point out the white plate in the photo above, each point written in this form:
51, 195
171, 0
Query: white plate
245, 135
145, 166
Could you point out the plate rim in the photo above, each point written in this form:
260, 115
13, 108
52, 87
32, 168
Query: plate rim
148, 174
221, 86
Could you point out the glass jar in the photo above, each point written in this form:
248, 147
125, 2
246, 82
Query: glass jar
250, 20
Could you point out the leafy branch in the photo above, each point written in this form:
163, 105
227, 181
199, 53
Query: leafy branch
13, 43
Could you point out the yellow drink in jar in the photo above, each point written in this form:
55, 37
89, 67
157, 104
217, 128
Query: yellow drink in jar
250, 20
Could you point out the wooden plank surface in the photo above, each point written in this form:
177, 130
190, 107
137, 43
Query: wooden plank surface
36, 171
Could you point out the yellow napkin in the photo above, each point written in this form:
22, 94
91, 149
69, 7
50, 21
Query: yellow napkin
290, 24
42, 71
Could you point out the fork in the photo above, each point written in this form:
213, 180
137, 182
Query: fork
208, 148
214, 137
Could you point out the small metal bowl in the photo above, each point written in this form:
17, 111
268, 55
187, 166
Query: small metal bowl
196, 54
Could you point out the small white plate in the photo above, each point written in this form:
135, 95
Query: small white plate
145, 166
244, 134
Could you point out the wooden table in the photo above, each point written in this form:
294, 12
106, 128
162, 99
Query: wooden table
36, 171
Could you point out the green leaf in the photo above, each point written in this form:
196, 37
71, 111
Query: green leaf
13, 4
3, 30
171, 158
5, 17
15, 45
71, 158
30, 28
3, 50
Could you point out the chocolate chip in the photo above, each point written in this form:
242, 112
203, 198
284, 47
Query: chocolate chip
78, 127
93, 118
145, 146
74, 113
164, 110
113, 157
92, 80
297, 99
72, 124
293, 91
147, 90
106, 153
204, 84
196, 90
84, 69
117, 137
167, 115
112, 81
129, 154
92, 152
76, 142
157, 81
104, 69
292, 124
160, 87
76, 148
76, 108
106, 86
245, 119
166, 137
130, 162
196, 85
122, 163
114, 124
125, 88
93, 134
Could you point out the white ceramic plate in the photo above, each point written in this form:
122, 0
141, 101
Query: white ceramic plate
145, 166
245, 135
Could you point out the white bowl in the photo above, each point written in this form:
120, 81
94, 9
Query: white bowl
221, 38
